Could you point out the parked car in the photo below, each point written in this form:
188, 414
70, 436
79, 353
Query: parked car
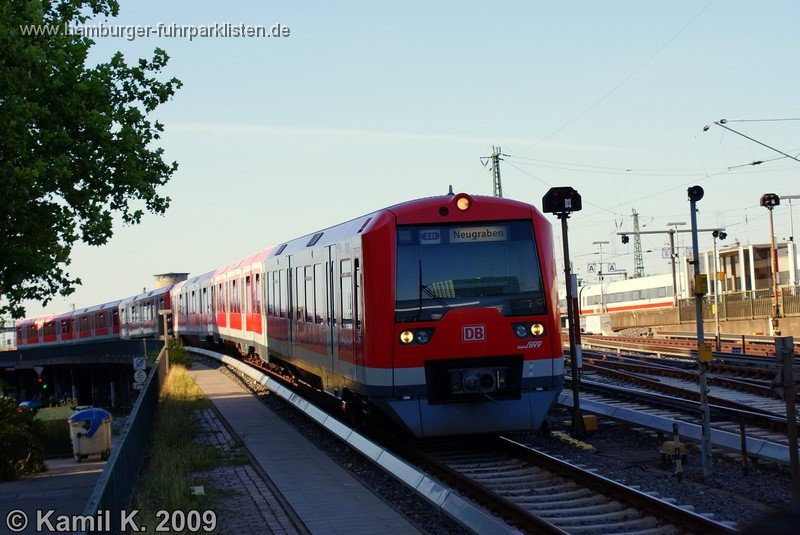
33, 404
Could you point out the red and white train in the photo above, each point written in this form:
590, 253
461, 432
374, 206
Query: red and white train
641, 293
441, 313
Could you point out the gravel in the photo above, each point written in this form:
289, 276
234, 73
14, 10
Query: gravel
623, 453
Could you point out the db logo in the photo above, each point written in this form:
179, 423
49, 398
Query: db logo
473, 333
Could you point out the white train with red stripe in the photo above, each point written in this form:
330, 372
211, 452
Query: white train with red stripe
642, 293
441, 313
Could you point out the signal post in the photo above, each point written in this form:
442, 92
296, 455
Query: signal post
562, 201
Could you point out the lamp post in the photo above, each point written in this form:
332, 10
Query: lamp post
600, 274
770, 201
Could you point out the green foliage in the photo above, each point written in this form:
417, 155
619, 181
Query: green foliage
175, 456
21, 441
178, 356
77, 145
55, 438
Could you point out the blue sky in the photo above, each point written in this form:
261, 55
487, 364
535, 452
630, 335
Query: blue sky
368, 104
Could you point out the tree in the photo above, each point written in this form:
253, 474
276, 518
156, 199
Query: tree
76, 144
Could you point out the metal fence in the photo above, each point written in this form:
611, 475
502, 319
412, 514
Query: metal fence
753, 304
115, 487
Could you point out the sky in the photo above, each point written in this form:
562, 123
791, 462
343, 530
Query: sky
367, 104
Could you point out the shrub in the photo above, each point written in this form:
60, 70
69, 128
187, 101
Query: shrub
21, 441
178, 356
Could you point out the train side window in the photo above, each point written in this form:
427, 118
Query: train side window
309, 293
257, 294
101, 321
248, 295
346, 294
283, 286
320, 295
115, 318
300, 293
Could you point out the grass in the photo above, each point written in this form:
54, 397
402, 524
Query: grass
174, 457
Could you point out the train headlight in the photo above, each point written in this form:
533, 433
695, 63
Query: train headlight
537, 329
406, 337
463, 202
423, 337
520, 330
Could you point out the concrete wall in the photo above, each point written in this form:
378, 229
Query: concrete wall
667, 319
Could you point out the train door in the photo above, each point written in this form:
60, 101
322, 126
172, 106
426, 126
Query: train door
346, 343
330, 310
358, 324
287, 282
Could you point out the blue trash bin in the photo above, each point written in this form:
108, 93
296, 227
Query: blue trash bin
90, 431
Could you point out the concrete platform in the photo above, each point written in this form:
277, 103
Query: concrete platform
64, 488
323, 495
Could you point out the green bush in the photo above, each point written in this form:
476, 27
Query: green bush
57, 442
21, 441
178, 356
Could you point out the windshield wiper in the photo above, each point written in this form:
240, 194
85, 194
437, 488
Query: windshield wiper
424, 288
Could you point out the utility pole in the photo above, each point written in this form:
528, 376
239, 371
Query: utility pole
600, 274
671, 232
792, 248
638, 258
497, 186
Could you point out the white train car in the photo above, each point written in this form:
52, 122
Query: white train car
643, 293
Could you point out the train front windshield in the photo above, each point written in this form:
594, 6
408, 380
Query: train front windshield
441, 268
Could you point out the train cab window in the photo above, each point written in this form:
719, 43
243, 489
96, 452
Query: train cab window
19, 335
346, 294
486, 265
320, 294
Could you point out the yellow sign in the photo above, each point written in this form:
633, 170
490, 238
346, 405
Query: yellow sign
700, 284
721, 276
704, 352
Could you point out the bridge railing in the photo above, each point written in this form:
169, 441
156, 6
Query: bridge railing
115, 487
744, 304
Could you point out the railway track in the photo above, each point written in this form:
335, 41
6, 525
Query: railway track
532, 491
542, 494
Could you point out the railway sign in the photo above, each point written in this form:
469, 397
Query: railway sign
38, 369
612, 266
139, 376
139, 363
138, 386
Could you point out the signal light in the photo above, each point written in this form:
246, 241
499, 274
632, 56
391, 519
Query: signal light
695, 193
770, 201
560, 200
625, 238
39, 380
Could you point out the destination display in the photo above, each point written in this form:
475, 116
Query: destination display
478, 234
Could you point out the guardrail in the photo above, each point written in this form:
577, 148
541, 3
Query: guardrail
115, 487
